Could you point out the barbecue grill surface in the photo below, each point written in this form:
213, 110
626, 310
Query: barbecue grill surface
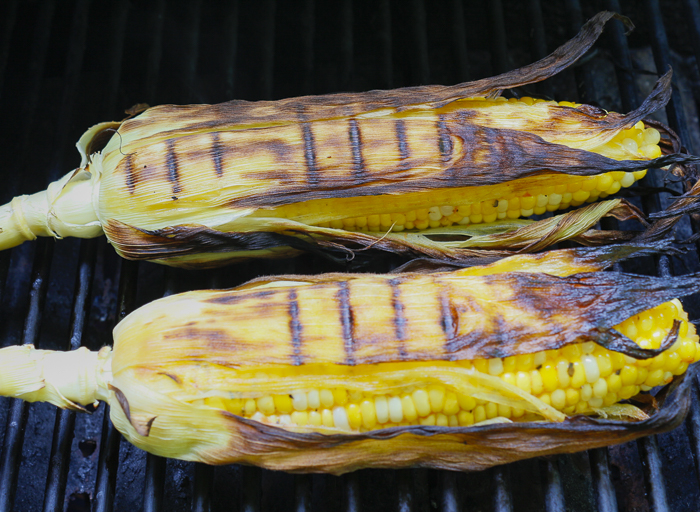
66, 65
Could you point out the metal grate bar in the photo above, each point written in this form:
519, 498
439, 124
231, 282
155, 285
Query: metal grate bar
17, 417
404, 489
347, 46
191, 56
623, 60
554, 500
302, 493
502, 496
203, 481
605, 491
351, 493
116, 54
449, 496
693, 16
651, 464
154, 483
108, 462
662, 57
54, 494
250, 496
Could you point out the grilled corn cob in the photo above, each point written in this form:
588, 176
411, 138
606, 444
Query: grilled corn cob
201, 185
342, 358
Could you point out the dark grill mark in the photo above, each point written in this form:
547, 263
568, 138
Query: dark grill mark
444, 140
216, 152
447, 321
310, 154
130, 177
347, 321
295, 328
356, 146
399, 318
171, 160
401, 138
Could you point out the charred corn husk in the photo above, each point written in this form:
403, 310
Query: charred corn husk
201, 185
352, 371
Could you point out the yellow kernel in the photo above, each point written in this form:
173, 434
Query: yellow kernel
522, 380
465, 418
369, 416
578, 378
250, 407
436, 395
315, 418
655, 378
442, 421
604, 182
235, 406
340, 396
558, 397
215, 401
385, 220
466, 402
283, 404
430, 420
327, 418
605, 366
524, 362
627, 392
600, 388
586, 392
687, 350
361, 222
509, 364
589, 184
451, 404
481, 365
491, 410
571, 352
614, 383
266, 405
300, 418
572, 396
422, 214
479, 413
548, 372
373, 220
409, 408
422, 402
527, 202
642, 374
326, 397
610, 399
536, 383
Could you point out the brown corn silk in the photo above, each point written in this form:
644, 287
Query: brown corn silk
209, 343
200, 185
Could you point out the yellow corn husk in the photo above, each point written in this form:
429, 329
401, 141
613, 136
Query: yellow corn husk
201, 185
458, 370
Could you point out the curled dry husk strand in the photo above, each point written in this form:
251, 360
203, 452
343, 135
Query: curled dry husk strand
528, 303
150, 212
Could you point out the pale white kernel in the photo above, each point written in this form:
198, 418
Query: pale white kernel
542, 200
395, 409
299, 401
381, 407
627, 180
590, 368
434, 213
502, 206
314, 399
554, 199
446, 211
340, 418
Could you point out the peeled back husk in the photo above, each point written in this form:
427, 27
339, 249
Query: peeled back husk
182, 364
201, 185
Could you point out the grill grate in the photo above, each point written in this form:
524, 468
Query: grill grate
64, 66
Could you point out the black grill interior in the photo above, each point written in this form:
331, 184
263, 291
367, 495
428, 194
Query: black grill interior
65, 65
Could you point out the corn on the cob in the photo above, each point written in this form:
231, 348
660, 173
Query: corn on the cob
201, 185
342, 358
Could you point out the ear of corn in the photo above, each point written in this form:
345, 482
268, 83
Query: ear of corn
355, 370
200, 185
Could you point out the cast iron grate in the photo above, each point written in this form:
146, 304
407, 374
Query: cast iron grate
66, 65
